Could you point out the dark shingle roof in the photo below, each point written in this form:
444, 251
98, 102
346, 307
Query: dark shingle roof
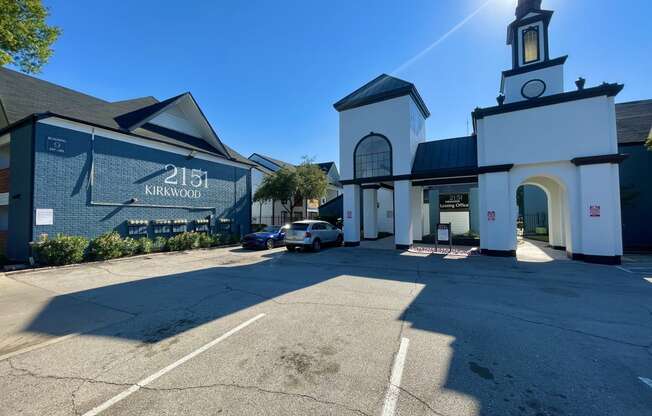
277, 162
634, 121
22, 96
450, 155
382, 88
325, 166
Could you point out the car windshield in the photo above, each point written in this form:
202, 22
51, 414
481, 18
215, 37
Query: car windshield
271, 229
299, 226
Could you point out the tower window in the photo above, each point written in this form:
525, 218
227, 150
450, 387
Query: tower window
531, 45
373, 157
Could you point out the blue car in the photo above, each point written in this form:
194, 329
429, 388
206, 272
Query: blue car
270, 237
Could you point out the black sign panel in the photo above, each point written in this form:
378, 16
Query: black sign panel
454, 202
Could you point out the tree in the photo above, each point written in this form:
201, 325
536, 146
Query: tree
290, 185
25, 37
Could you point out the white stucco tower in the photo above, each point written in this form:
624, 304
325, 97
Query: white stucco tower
563, 142
381, 125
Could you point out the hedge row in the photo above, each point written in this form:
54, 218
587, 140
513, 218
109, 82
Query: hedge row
64, 249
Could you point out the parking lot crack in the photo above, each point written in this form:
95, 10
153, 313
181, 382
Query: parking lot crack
24, 372
259, 389
420, 400
541, 323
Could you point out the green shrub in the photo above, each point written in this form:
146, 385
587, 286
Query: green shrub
233, 239
3, 260
62, 249
183, 241
129, 246
145, 245
107, 246
204, 240
160, 244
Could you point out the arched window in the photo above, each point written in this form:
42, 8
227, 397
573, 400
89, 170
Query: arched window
531, 44
373, 157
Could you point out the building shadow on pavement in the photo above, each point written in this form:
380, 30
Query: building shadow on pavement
526, 338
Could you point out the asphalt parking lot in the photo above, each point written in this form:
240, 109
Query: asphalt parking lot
346, 331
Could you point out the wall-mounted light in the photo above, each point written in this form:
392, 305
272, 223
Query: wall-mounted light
191, 155
133, 200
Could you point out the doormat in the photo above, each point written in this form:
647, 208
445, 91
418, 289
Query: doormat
444, 250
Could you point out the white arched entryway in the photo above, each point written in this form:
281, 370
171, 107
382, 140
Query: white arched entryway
559, 184
558, 214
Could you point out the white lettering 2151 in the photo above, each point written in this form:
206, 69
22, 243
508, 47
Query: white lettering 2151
197, 177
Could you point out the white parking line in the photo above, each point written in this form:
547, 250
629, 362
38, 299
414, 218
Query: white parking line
144, 382
393, 391
646, 381
624, 269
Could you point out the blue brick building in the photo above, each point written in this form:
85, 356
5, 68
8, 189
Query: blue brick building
78, 165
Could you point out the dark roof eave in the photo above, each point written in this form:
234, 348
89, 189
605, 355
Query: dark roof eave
609, 90
400, 92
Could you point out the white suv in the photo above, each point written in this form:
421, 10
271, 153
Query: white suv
312, 235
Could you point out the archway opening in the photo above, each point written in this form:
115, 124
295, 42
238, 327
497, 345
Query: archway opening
542, 224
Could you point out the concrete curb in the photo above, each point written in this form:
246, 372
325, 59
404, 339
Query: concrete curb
118, 260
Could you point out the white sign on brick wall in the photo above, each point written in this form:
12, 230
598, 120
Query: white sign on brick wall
44, 216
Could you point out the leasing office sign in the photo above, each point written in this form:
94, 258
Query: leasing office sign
454, 202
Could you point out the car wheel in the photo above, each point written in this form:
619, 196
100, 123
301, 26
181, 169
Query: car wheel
269, 244
316, 245
338, 241
290, 248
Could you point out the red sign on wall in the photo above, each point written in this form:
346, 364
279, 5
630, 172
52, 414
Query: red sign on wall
491, 215
594, 210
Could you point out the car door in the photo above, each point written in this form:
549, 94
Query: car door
320, 231
332, 232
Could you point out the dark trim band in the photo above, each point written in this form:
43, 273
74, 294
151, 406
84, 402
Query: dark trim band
596, 160
535, 67
495, 168
591, 258
444, 174
609, 90
370, 187
351, 243
447, 181
403, 246
498, 253
370, 239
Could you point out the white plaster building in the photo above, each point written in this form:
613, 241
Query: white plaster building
274, 212
564, 142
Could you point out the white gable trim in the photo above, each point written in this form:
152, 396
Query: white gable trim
84, 128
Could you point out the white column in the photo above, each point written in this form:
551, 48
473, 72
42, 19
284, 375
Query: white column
417, 213
599, 211
351, 215
403, 224
370, 213
498, 212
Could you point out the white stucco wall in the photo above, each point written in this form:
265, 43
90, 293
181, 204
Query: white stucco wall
385, 211
396, 119
547, 134
259, 209
552, 76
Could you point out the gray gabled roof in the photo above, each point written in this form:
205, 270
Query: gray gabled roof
22, 96
446, 156
382, 88
277, 162
634, 121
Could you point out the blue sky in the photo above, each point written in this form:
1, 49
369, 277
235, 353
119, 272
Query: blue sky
266, 73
